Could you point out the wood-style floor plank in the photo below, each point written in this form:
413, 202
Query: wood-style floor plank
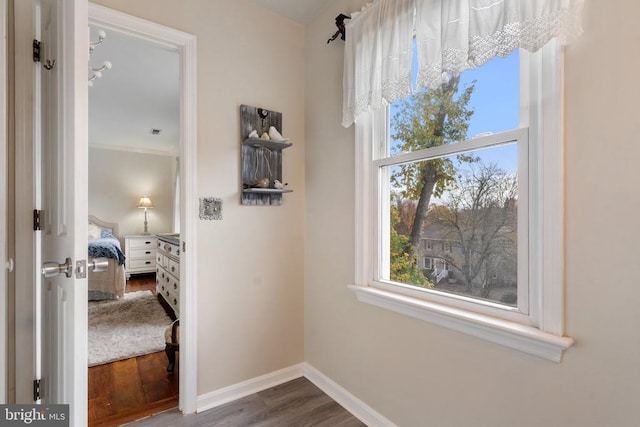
296, 403
131, 389
128, 390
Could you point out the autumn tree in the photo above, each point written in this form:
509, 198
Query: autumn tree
429, 118
406, 210
480, 218
404, 268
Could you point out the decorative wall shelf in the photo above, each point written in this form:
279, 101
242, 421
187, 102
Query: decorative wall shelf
274, 145
266, 190
261, 158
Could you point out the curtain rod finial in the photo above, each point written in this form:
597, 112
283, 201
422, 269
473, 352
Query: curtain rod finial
340, 24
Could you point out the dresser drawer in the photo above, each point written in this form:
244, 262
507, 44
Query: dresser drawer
169, 248
170, 294
143, 253
140, 253
168, 272
173, 267
161, 260
143, 243
166, 283
142, 263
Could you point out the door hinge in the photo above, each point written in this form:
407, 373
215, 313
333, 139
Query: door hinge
37, 219
36, 390
36, 50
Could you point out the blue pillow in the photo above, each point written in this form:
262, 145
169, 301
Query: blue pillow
106, 234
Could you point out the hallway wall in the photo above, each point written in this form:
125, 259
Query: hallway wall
416, 373
250, 264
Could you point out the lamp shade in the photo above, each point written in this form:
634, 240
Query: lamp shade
145, 202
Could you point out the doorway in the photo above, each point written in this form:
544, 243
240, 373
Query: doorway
152, 154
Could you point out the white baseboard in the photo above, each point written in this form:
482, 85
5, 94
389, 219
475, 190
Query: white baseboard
351, 403
245, 388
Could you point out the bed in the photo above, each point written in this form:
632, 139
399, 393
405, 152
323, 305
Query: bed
104, 242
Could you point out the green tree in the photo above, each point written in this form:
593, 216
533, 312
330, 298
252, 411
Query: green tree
429, 118
404, 268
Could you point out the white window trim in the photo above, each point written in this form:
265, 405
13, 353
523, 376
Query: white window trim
546, 267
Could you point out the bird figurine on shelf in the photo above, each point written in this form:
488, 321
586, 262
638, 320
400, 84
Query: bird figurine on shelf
274, 134
279, 185
261, 183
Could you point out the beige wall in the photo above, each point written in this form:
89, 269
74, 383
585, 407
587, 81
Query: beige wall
250, 264
117, 180
419, 374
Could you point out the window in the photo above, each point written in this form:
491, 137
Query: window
480, 181
428, 263
443, 183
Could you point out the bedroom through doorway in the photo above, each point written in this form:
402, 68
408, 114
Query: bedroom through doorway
134, 202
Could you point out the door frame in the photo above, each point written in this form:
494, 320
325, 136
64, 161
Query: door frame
5, 265
185, 45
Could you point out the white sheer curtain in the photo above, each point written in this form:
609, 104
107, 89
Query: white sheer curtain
378, 56
451, 36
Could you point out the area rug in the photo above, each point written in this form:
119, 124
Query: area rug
124, 328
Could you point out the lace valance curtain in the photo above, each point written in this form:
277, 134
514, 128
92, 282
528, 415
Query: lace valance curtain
451, 36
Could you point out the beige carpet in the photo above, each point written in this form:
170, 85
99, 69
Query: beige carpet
126, 328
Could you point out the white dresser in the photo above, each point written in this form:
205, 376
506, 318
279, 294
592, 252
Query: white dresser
140, 252
168, 270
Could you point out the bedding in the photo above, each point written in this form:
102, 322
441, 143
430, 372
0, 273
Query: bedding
103, 243
106, 246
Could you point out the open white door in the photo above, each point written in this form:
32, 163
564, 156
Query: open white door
51, 176
5, 264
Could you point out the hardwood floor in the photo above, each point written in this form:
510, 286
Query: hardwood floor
131, 389
128, 390
142, 282
297, 403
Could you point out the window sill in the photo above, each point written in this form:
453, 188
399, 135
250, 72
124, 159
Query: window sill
509, 334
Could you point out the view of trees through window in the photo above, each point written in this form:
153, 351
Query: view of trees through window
453, 218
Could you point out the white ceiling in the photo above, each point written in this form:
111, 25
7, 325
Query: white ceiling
141, 91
